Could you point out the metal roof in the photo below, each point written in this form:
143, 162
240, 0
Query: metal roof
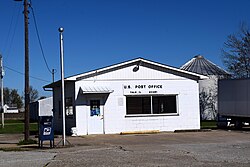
95, 89
200, 65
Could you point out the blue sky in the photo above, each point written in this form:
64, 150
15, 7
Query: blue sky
99, 33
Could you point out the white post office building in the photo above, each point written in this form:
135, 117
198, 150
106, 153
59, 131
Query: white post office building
137, 95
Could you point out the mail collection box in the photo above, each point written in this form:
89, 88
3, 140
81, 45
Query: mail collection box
46, 130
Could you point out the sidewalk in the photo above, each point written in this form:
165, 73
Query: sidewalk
9, 142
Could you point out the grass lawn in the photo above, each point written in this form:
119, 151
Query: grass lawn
208, 124
17, 126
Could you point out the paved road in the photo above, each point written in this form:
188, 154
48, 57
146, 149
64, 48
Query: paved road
25, 159
216, 148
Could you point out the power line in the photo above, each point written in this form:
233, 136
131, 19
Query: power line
23, 74
8, 35
13, 35
39, 40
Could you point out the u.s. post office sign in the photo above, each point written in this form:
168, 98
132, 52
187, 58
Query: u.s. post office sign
143, 89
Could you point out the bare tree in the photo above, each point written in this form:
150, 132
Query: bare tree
236, 53
12, 98
33, 94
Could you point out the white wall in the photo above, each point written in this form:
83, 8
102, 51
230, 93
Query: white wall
115, 119
45, 107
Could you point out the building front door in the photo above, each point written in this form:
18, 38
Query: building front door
95, 121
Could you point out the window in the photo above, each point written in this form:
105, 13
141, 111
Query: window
164, 104
138, 105
69, 106
95, 107
151, 105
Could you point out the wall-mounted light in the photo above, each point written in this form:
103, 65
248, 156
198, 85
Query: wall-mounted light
136, 68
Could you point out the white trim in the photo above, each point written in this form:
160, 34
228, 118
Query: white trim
135, 60
151, 115
176, 69
151, 106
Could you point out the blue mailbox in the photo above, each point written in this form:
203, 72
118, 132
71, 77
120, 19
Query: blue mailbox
46, 130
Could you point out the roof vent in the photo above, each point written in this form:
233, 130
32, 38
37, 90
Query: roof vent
198, 56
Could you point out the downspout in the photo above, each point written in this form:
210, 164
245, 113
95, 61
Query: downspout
103, 120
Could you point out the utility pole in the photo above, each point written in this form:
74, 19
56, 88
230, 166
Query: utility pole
26, 87
2, 102
26, 69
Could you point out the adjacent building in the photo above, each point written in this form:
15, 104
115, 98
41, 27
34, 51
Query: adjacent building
135, 95
208, 88
7, 109
42, 107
